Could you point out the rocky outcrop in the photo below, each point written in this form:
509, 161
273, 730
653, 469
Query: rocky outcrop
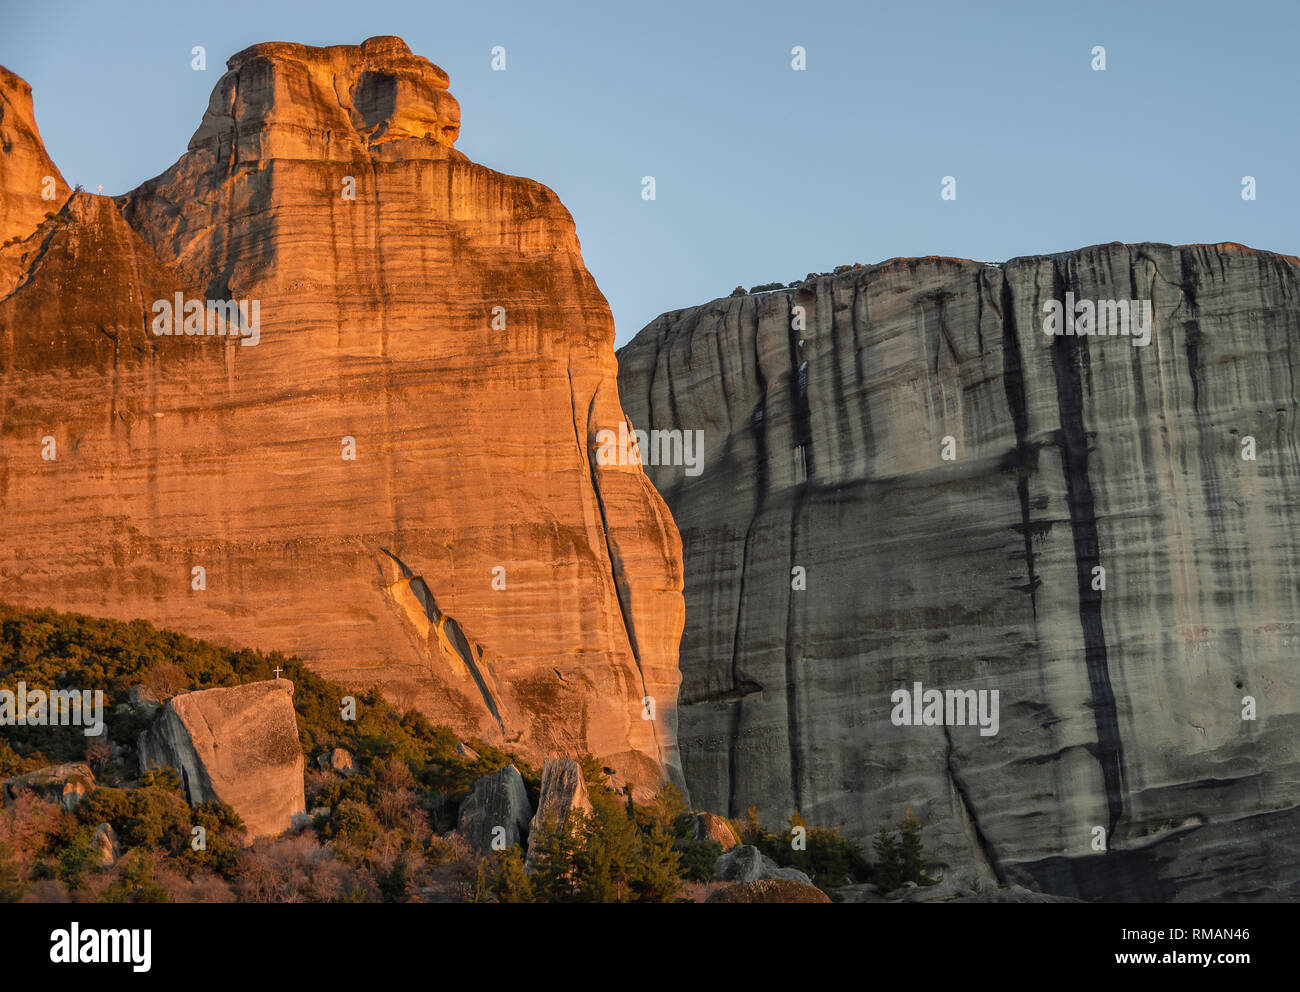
905, 480
748, 864
496, 812
562, 790
769, 890
710, 826
972, 889
387, 462
30, 184
238, 746
104, 845
337, 760
65, 785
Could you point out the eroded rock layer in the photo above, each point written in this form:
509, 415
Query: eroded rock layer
1123, 707
386, 463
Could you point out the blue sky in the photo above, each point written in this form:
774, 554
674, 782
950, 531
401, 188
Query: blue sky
762, 173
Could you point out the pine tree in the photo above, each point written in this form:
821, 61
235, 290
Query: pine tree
609, 848
657, 872
669, 807
553, 858
911, 856
510, 881
888, 869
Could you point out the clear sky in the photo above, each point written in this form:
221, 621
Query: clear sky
762, 173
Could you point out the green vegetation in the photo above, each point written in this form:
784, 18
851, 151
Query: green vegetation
900, 859
378, 839
825, 856
381, 833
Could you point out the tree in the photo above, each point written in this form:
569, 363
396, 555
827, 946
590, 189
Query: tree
11, 887
698, 858
669, 807
509, 879
395, 884
553, 858
607, 851
910, 853
889, 862
657, 870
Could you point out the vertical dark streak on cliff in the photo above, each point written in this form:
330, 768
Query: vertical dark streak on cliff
803, 437
857, 346
1073, 443
840, 442
1025, 458
1218, 548
758, 424
1192, 327
675, 417
616, 572
660, 341
984, 844
723, 388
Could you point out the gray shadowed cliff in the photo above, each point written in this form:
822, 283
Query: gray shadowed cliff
1121, 708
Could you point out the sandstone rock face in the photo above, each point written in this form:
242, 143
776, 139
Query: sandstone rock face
710, 826
497, 800
769, 890
834, 556
66, 784
30, 184
398, 481
563, 789
238, 746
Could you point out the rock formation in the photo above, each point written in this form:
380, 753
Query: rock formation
769, 890
497, 801
834, 556
562, 789
65, 785
30, 184
104, 845
710, 826
385, 462
338, 760
236, 745
747, 863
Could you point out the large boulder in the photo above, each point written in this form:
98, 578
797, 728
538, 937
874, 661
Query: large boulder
237, 745
770, 890
339, 760
710, 826
66, 784
497, 800
563, 789
746, 863
105, 844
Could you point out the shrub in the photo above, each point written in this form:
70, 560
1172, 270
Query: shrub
508, 880
698, 858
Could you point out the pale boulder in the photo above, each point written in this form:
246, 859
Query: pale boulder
237, 745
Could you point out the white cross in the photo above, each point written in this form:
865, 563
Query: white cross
277, 671
100, 187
